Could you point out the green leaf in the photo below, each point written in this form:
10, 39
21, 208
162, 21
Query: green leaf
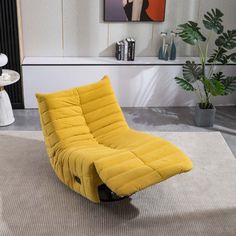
213, 21
184, 84
227, 40
214, 87
229, 84
219, 56
191, 71
190, 33
232, 57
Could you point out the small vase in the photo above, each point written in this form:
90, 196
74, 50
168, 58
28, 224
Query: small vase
204, 117
172, 46
166, 54
161, 54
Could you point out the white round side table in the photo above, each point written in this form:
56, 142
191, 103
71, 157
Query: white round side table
6, 114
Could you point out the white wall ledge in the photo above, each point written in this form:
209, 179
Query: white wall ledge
143, 85
102, 61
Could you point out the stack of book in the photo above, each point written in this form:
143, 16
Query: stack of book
125, 50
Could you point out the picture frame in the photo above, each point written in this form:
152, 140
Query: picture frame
134, 10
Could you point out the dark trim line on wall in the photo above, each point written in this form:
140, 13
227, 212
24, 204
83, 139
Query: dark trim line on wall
133, 64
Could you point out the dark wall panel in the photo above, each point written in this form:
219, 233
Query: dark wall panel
9, 45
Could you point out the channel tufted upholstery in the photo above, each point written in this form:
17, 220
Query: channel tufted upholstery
86, 136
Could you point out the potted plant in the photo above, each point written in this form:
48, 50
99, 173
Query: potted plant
202, 80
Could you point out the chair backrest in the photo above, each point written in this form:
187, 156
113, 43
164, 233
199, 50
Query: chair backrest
80, 115
100, 108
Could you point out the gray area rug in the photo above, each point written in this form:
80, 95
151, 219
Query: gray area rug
34, 202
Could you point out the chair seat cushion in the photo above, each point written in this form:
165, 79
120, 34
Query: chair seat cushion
152, 161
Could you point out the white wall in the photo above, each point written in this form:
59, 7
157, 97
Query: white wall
76, 27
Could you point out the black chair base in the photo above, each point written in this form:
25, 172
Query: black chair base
106, 195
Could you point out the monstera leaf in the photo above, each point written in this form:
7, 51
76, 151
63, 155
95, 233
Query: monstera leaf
213, 21
232, 57
190, 33
219, 56
214, 87
227, 40
218, 76
191, 71
229, 84
184, 84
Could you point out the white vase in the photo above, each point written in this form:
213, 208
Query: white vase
3, 59
6, 113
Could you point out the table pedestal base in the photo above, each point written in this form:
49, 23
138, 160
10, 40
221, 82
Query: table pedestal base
6, 113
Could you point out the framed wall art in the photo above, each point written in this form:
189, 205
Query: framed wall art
134, 10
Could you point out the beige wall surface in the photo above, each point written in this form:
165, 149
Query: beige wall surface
76, 27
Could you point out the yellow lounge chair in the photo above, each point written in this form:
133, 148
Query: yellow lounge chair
90, 144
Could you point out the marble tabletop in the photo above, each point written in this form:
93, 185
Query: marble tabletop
9, 77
